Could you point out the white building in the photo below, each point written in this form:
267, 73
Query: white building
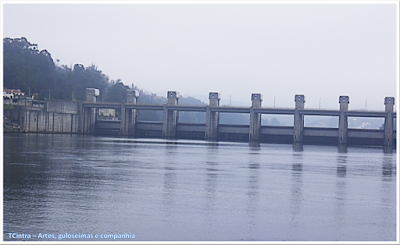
12, 93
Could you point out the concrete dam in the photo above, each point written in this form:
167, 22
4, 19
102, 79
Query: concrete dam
70, 117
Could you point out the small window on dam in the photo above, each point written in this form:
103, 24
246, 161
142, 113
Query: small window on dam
149, 115
192, 117
321, 121
277, 120
234, 118
365, 123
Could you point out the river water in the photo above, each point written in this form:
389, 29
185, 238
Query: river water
76, 187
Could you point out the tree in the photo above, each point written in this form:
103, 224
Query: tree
89, 77
117, 92
274, 122
25, 66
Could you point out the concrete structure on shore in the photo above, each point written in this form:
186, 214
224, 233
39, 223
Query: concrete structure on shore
83, 118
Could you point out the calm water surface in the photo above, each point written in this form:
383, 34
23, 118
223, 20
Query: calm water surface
195, 190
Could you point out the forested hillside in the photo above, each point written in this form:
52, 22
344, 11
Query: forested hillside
35, 73
33, 70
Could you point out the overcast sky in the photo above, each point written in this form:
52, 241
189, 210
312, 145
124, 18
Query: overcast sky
278, 50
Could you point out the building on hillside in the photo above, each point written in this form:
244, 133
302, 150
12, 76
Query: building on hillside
16, 97
12, 93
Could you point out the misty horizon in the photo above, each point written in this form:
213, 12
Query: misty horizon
322, 51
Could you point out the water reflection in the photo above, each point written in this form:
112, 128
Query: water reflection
253, 187
169, 178
196, 192
296, 189
254, 145
342, 148
26, 185
212, 176
387, 195
297, 147
388, 149
340, 191
37, 167
211, 189
387, 168
341, 168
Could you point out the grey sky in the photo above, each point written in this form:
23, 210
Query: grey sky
319, 50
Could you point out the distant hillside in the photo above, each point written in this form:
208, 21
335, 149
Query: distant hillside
353, 122
34, 72
184, 117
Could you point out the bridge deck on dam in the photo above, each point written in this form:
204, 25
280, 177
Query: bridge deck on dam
226, 109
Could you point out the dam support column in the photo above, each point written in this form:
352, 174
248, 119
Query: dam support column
388, 128
170, 117
89, 114
212, 117
343, 122
130, 114
298, 125
80, 118
255, 118
89, 120
123, 128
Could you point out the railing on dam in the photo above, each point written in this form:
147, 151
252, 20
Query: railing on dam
84, 117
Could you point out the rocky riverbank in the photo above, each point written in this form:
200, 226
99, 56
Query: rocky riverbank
10, 127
